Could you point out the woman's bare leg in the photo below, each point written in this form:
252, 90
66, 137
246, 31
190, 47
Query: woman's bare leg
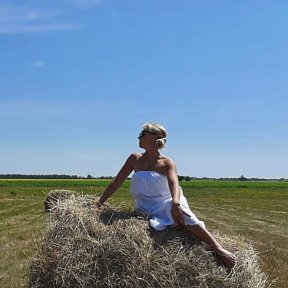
204, 235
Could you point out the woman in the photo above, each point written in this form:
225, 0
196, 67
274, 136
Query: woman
156, 190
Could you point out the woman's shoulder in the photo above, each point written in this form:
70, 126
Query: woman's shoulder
166, 159
135, 156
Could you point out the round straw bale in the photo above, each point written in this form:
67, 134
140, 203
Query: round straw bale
89, 247
54, 197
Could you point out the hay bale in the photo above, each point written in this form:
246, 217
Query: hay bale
87, 247
54, 197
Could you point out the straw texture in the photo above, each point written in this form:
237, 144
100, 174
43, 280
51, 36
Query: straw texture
89, 247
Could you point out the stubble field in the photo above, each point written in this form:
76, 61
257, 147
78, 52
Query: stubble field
257, 212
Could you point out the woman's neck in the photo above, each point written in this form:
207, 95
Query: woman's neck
152, 153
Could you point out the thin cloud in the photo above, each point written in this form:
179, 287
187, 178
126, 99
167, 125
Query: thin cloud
19, 19
32, 16
15, 29
29, 109
48, 27
38, 64
87, 3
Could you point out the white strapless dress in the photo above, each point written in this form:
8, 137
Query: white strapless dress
152, 196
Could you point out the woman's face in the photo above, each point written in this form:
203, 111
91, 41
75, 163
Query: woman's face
146, 138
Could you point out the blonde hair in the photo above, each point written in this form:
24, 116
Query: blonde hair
159, 130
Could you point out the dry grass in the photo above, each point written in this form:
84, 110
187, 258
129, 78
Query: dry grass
54, 198
17, 218
87, 247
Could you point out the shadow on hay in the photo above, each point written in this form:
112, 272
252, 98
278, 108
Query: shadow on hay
109, 216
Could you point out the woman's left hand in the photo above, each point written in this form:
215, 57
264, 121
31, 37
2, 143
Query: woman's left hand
177, 214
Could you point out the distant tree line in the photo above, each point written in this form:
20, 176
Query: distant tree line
36, 176
241, 178
50, 176
180, 177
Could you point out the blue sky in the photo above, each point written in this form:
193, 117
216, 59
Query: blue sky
78, 78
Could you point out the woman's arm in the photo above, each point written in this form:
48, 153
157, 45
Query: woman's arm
123, 173
173, 183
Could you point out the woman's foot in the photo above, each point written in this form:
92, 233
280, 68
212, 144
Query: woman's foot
204, 235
